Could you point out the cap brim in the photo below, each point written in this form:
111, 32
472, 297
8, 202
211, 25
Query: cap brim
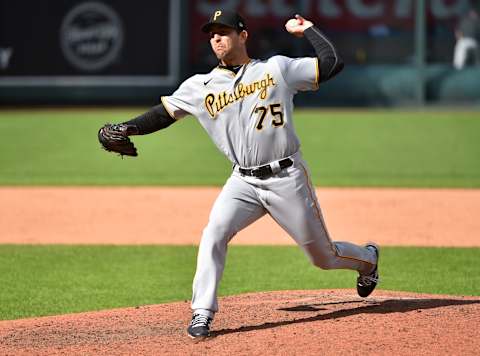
208, 26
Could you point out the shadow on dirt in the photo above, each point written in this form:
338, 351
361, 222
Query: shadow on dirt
373, 307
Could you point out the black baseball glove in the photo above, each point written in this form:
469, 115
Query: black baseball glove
114, 138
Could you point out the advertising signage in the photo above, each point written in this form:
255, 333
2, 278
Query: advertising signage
89, 43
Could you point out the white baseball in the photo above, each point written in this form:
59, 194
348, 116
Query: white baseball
293, 23
292, 26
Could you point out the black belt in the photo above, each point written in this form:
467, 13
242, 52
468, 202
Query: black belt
265, 171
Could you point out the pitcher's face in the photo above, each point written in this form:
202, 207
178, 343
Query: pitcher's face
226, 42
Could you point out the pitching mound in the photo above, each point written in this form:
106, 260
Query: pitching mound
273, 323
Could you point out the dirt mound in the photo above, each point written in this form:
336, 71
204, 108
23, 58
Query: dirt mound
274, 323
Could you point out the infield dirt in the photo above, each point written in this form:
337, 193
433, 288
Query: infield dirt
401, 217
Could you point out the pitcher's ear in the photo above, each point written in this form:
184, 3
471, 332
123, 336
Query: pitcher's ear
244, 35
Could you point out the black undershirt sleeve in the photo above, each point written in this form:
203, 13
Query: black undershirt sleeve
155, 119
330, 63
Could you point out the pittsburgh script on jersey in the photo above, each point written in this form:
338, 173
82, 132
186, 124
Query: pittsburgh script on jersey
216, 103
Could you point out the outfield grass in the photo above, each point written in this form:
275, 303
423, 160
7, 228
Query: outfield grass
343, 148
49, 280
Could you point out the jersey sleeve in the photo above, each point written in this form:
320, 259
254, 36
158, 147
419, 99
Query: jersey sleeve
300, 74
181, 102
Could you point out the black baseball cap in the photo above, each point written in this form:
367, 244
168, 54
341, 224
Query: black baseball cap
226, 18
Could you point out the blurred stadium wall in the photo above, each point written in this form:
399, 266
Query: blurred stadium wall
130, 52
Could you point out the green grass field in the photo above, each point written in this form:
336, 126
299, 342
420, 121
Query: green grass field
343, 148
46, 280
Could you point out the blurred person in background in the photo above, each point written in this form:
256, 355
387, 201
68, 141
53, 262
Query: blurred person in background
467, 34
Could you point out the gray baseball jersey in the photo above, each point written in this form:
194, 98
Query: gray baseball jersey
248, 115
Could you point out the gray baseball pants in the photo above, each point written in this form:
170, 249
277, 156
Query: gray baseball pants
290, 199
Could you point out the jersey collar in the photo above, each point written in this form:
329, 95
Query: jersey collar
233, 69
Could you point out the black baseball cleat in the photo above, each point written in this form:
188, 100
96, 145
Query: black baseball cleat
199, 326
367, 283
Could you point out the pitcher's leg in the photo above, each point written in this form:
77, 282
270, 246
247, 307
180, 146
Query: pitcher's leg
342, 255
459, 55
235, 208
294, 206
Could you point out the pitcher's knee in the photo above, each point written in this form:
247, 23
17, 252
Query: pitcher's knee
323, 262
218, 232
321, 256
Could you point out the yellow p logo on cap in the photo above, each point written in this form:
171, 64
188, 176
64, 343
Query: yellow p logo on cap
217, 14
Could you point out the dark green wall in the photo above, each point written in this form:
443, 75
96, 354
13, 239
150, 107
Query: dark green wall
378, 85
383, 85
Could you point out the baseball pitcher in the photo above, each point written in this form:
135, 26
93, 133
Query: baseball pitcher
246, 107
